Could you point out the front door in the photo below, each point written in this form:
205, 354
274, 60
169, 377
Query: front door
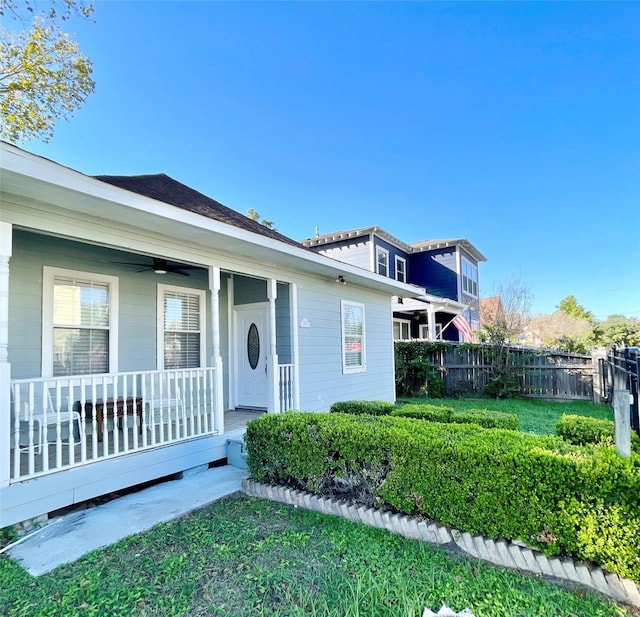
251, 355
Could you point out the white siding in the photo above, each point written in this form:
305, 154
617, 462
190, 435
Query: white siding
355, 252
322, 381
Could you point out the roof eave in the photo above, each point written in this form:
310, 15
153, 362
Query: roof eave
24, 174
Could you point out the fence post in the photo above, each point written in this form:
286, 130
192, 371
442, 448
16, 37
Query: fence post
598, 356
621, 418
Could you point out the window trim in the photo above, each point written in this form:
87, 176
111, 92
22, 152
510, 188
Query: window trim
474, 269
382, 251
403, 261
49, 274
402, 322
162, 288
347, 370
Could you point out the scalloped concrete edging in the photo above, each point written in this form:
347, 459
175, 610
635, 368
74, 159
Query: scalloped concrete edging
514, 555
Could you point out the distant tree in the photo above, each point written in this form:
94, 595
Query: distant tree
616, 330
255, 216
569, 306
43, 74
562, 331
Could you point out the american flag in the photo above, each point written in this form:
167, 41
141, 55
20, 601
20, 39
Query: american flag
464, 328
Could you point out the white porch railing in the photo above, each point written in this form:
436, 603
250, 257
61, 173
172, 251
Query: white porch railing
287, 385
63, 422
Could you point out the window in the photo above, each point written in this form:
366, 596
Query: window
469, 278
79, 323
353, 351
382, 261
401, 269
181, 327
424, 331
401, 330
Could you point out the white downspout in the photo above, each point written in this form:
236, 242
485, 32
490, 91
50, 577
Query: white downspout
372, 253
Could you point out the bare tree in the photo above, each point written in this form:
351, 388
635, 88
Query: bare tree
506, 318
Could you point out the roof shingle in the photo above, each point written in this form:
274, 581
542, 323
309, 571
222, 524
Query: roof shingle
164, 188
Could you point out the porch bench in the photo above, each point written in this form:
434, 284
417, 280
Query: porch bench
110, 409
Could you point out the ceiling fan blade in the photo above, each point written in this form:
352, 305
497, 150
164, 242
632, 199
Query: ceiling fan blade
159, 265
131, 263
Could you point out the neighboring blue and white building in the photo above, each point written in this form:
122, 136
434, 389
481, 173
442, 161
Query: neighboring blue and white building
447, 269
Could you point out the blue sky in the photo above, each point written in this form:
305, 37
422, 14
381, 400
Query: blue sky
514, 125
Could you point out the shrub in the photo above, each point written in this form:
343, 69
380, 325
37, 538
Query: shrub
499, 483
503, 386
432, 413
373, 408
487, 419
435, 413
582, 430
416, 374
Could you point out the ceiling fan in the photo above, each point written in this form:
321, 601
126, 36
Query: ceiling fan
160, 266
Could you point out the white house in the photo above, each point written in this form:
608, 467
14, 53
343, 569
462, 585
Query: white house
136, 316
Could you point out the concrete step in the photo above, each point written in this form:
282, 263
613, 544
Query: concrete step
236, 453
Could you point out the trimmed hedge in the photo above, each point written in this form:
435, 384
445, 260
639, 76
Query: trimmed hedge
374, 408
582, 430
482, 417
579, 501
487, 419
431, 413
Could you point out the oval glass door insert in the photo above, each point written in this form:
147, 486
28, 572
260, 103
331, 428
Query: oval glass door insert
253, 346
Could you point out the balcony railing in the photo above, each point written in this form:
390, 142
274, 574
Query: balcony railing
63, 422
287, 387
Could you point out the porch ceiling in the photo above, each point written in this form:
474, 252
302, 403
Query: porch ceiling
73, 201
410, 305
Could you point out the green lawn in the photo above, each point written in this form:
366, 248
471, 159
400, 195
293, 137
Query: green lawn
534, 415
243, 556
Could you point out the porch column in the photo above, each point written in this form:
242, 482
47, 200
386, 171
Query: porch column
216, 358
431, 321
295, 355
5, 367
273, 370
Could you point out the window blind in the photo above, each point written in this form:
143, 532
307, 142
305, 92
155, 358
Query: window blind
182, 330
80, 327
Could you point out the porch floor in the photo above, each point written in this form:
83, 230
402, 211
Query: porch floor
234, 421
237, 419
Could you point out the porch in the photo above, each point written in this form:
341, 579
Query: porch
64, 423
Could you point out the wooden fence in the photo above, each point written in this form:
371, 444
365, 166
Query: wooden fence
542, 374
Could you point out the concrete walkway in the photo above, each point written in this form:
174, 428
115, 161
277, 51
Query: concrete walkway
73, 535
